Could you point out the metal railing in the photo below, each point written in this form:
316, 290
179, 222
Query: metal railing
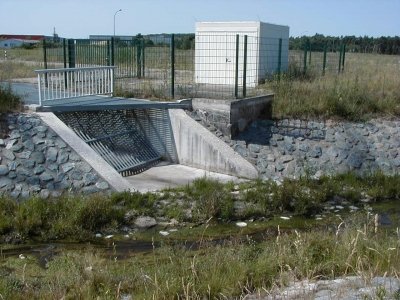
56, 84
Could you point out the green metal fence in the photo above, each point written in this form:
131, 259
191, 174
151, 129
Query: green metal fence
181, 66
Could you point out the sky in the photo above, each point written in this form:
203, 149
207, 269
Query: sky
81, 18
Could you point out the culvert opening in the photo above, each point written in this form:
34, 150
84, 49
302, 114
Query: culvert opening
131, 141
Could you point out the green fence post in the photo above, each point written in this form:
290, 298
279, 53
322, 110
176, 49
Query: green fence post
65, 61
305, 59
71, 53
237, 68
309, 55
340, 58
172, 50
108, 53
280, 59
45, 61
324, 61
343, 56
244, 66
112, 51
142, 56
138, 59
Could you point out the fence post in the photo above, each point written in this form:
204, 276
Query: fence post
244, 66
340, 58
280, 59
324, 61
138, 59
112, 51
45, 62
309, 55
305, 59
172, 50
71, 53
65, 62
142, 56
237, 68
343, 56
108, 54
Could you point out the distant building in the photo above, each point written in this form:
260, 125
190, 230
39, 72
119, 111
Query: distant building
11, 41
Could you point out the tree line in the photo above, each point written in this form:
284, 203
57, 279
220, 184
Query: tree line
362, 44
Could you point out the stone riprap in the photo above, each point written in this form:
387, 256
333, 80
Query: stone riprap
293, 148
350, 287
35, 161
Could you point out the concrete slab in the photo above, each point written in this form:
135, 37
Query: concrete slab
165, 176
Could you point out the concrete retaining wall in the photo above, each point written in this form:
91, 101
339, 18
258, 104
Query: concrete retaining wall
232, 116
198, 147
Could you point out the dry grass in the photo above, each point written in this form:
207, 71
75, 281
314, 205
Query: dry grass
367, 88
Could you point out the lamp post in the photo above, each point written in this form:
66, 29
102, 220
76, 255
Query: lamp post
114, 18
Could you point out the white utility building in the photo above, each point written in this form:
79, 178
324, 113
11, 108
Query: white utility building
215, 51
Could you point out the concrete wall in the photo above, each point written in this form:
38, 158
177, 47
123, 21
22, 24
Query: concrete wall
233, 117
198, 147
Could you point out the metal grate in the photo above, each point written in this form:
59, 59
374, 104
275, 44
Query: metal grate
115, 138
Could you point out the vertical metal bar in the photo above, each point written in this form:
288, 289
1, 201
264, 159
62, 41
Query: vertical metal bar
324, 60
112, 81
108, 53
39, 89
45, 61
112, 51
138, 59
237, 68
305, 59
71, 53
309, 54
172, 50
143, 49
280, 59
244, 66
65, 63
343, 56
340, 58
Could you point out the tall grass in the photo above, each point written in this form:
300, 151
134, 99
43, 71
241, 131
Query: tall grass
212, 272
8, 100
367, 88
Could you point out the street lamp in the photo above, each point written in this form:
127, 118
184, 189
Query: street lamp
114, 18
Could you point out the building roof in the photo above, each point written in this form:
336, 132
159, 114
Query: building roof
22, 37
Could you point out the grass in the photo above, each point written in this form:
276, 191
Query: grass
8, 100
368, 88
17, 69
213, 272
79, 218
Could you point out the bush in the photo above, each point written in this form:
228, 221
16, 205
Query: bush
8, 100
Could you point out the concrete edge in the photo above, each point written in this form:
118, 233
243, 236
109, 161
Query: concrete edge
219, 157
109, 174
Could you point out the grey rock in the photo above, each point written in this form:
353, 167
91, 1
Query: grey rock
145, 222
2, 143
53, 167
25, 194
286, 158
23, 171
315, 152
89, 190
38, 140
52, 154
60, 144
11, 143
254, 148
76, 175
3, 170
46, 177
8, 154
77, 184
12, 165
38, 157
12, 175
62, 157
289, 147
29, 164
17, 148
303, 147
56, 194
89, 178
26, 127
102, 185
24, 154
41, 128
44, 194
28, 145
280, 167
38, 170
4, 181
15, 135
33, 180
67, 167
84, 167
74, 157
35, 188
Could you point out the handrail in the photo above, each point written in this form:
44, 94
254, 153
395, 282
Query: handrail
56, 84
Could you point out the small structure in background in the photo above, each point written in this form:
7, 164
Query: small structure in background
223, 48
8, 41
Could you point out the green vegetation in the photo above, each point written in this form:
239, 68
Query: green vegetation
79, 218
367, 88
214, 272
8, 100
